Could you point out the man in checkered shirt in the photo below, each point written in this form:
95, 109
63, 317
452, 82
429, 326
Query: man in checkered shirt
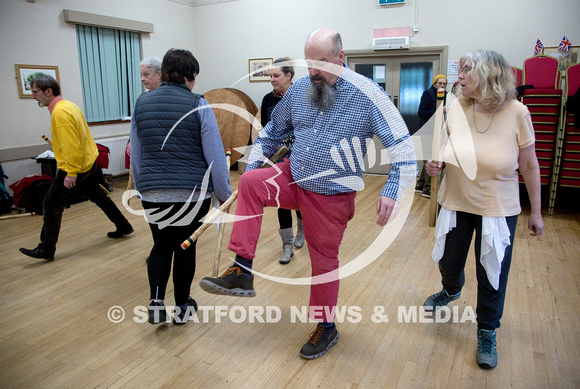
334, 114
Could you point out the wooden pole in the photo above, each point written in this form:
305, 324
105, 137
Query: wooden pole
435, 148
17, 215
221, 230
213, 214
130, 180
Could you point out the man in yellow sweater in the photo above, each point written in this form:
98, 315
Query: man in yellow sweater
76, 153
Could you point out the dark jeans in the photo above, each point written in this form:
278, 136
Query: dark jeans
490, 302
167, 247
285, 217
53, 205
424, 179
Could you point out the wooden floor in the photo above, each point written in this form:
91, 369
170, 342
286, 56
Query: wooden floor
55, 331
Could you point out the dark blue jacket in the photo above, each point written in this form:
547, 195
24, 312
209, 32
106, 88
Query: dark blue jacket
171, 158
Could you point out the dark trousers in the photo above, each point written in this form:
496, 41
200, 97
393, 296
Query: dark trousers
424, 179
53, 205
285, 217
490, 302
167, 247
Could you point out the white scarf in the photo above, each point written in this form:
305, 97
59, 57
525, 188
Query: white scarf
495, 237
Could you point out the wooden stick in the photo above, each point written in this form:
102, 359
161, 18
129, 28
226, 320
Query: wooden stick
213, 215
436, 146
130, 180
18, 215
221, 230
130, 184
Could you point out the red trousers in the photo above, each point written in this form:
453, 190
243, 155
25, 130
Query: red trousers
324, 219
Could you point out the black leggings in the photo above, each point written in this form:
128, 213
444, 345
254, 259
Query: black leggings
167, 246
285, 217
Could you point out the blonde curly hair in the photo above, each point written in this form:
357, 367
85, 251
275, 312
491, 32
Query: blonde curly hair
493, 79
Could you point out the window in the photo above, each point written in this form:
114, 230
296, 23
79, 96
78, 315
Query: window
109, 62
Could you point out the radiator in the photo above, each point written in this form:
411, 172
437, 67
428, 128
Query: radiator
117, 148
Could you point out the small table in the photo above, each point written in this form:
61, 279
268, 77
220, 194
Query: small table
48, 166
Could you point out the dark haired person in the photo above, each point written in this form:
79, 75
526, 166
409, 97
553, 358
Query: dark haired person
76, 153
177, 161
281, 74
427, 108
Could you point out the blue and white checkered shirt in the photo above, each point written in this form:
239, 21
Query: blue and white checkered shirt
328, 154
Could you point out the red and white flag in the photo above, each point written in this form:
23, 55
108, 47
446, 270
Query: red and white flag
565, 44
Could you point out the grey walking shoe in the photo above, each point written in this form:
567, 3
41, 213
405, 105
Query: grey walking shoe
439, 299
233, 282
299, 239
287, 236
486, 350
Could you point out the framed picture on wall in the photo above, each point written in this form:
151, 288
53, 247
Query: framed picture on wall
25, 74
565, 58
259, 69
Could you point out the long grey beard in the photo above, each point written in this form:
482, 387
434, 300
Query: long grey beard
320, 95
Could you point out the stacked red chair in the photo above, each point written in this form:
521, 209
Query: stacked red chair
544, 101
567, 163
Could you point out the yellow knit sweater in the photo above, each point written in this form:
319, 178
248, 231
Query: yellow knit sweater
74, 148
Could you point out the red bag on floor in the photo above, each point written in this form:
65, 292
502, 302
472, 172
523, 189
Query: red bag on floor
21, 189
103, 158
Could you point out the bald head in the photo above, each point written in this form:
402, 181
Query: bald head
324, 38
323, 49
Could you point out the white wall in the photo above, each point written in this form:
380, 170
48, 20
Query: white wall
277, 28
224, 36
35, 33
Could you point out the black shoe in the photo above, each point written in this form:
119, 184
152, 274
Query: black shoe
38, 253
426, 193
233, 282
321, 340
157, 313
183, 315
419, 188
120, 232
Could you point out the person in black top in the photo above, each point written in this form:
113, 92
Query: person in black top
427, 108
281, 74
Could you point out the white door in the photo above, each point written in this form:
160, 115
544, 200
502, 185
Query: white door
405, 78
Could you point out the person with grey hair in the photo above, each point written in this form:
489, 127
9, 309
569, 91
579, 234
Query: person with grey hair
490, 122
76, 154
334, 113
281, 74
150, 69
